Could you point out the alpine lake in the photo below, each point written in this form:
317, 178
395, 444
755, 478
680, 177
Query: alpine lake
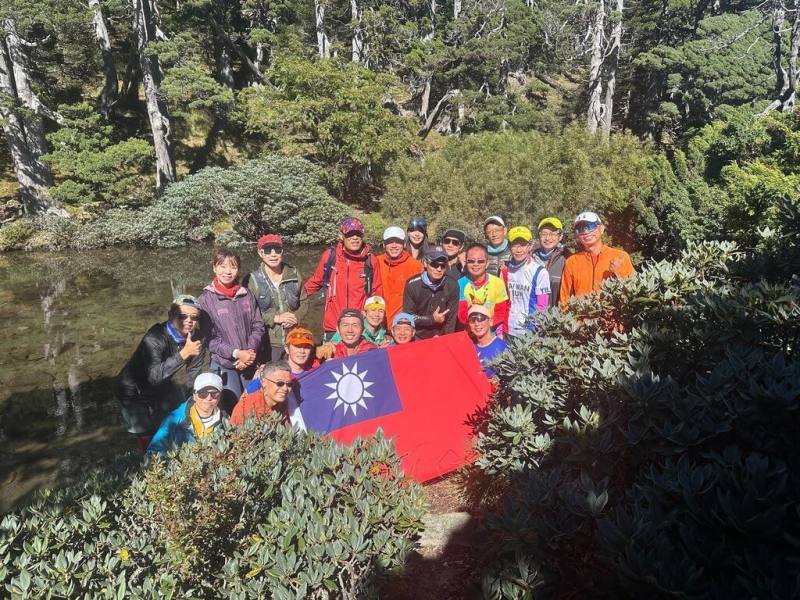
71, 320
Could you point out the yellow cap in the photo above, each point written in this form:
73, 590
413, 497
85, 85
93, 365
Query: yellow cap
550, 221
520, 232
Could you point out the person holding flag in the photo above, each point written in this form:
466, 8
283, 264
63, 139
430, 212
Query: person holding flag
528, 282
299, 350
487, 344
403, 329
276, 381
432, 297
350, 328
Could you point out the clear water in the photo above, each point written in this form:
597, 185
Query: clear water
70, 322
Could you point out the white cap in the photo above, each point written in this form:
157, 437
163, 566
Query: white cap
589, 217
206, 380
494, 219
394, 232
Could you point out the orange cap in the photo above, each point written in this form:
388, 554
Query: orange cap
300, 336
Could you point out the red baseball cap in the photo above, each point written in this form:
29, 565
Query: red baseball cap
271, 239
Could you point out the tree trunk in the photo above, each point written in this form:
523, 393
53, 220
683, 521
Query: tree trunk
24, 129
794, 48
612, 62
594, 114
426, 129
456, 9
358, 33
430, 34
224, 68
145, 29
323, 46
109, 95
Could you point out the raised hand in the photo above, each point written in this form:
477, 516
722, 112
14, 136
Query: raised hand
439, 316
191, 347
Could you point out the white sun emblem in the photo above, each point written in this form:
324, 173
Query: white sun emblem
350, 389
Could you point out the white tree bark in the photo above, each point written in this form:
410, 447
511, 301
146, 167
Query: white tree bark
22, 123
110, 95
146, 30
357, 44
786, 80
456, 9
323, 45
612, 62
594, 113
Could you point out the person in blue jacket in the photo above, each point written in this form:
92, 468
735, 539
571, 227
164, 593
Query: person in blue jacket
194, 419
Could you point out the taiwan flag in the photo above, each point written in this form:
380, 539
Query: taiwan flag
423, 394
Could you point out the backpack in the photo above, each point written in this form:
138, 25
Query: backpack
328, 268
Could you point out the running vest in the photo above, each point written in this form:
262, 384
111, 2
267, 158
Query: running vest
264, 289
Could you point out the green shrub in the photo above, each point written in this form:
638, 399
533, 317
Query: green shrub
527, 176
14, 235
273, 194
647, 436
260, 511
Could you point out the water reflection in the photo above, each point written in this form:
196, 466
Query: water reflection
71, 321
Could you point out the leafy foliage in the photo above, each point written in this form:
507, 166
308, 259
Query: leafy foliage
535, 175
259, 511
647, 436
92, 170
274, 194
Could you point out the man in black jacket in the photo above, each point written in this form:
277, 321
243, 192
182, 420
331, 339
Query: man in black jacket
432, 297
145, 388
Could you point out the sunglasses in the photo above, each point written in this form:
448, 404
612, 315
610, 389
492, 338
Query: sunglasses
586, 227
439, 265
451, 241
476, 261
213, 394
272, 249
281, 384
477, 318
185, 317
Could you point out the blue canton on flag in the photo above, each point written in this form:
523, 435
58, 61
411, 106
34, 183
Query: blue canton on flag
345, 392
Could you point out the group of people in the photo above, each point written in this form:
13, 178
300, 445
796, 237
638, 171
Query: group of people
241, 343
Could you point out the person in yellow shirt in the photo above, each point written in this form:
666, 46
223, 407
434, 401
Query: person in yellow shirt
585, 270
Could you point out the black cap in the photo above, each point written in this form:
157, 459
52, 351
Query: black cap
349, 312
455, 233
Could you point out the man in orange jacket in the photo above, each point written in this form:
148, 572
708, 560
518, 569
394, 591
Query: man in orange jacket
585, 270
397, 266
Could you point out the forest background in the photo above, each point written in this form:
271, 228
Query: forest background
155, 122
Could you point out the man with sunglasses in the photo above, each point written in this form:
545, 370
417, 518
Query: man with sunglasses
487, 345
347, 274
432, 297
480, 287
276, 381
551, 253
146, 389
194, 419
453, 241
585, 271
277, 287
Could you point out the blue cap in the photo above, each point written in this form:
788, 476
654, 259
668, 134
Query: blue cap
404, 318
435, 253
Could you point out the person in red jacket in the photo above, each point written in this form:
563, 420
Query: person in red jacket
397, 266
350, 327
347, 274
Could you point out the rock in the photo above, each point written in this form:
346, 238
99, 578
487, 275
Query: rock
450, 529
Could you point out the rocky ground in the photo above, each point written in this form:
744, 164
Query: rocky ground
448, 561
